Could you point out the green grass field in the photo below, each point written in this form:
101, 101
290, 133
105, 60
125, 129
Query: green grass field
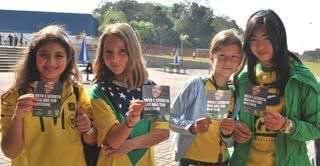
313, 66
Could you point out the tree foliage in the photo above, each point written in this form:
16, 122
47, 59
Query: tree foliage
112, 16
161, 25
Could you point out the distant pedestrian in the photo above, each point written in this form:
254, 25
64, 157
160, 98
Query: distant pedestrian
173, 51
21, 39
0, 39
10, 38
15, 39
194, 55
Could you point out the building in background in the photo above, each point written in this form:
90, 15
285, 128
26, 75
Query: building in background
24, 23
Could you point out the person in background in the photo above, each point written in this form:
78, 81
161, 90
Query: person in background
10, 38
194, 55
0, 39
21, 40
200, 139
15, 39
277, 136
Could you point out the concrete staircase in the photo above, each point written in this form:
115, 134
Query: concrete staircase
9, 57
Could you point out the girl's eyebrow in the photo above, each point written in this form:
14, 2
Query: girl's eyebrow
263, 35
43, 50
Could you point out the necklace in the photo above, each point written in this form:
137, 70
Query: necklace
213, 81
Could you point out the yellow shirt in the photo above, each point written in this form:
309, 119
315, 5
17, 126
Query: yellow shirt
262, 150
206, 146
104, 119
59, 143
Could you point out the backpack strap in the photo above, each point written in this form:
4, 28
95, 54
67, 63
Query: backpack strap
76, 91
91, 152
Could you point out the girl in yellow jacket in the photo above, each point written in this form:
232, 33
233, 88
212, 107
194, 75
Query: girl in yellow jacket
116, 101
31, 140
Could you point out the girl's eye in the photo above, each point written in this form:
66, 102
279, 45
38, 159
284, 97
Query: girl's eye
42, 54
108, 52
252, 40
267, 38
123, 51
60, 55
235, 57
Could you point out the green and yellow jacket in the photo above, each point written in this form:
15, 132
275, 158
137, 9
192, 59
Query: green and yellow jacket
302, 106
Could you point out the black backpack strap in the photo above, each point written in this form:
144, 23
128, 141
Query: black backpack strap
76, 91
91, 152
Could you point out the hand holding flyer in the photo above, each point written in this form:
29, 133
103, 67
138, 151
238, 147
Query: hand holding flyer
255, 98
157, 100
218, 105
48, 97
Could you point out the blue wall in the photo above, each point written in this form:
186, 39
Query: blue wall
32, 21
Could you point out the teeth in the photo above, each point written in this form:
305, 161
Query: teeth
50, 69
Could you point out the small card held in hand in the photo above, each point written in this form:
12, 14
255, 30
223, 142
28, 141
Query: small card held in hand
48, 103
157, 100
219, 103
255, 98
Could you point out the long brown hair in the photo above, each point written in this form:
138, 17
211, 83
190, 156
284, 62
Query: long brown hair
135, 72
27, 72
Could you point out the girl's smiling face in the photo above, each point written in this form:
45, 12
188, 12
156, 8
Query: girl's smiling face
51, 61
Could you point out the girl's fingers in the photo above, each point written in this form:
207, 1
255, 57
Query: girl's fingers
134, 113
25, 96
228, 128
242, 133
241, 129
108, 151
139, 102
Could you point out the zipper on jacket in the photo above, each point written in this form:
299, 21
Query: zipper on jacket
62, 113
41, 124
55, 118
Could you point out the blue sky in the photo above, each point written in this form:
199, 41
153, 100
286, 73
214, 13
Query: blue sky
301, 19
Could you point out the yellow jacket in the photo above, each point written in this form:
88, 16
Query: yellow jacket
58, 142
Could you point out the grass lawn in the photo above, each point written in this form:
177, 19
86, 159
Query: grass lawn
313, 66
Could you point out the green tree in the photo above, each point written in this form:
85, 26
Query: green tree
222, 22
161, 25
197, 23
111, 17
161, 22
144, 29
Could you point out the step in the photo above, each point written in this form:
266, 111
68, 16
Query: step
11, 53
6, 70
7, 64
8, 56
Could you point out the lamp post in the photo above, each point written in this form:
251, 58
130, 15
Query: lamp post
183, 38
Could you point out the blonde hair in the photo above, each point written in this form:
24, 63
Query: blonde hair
26, 70
224, 38
135, 72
